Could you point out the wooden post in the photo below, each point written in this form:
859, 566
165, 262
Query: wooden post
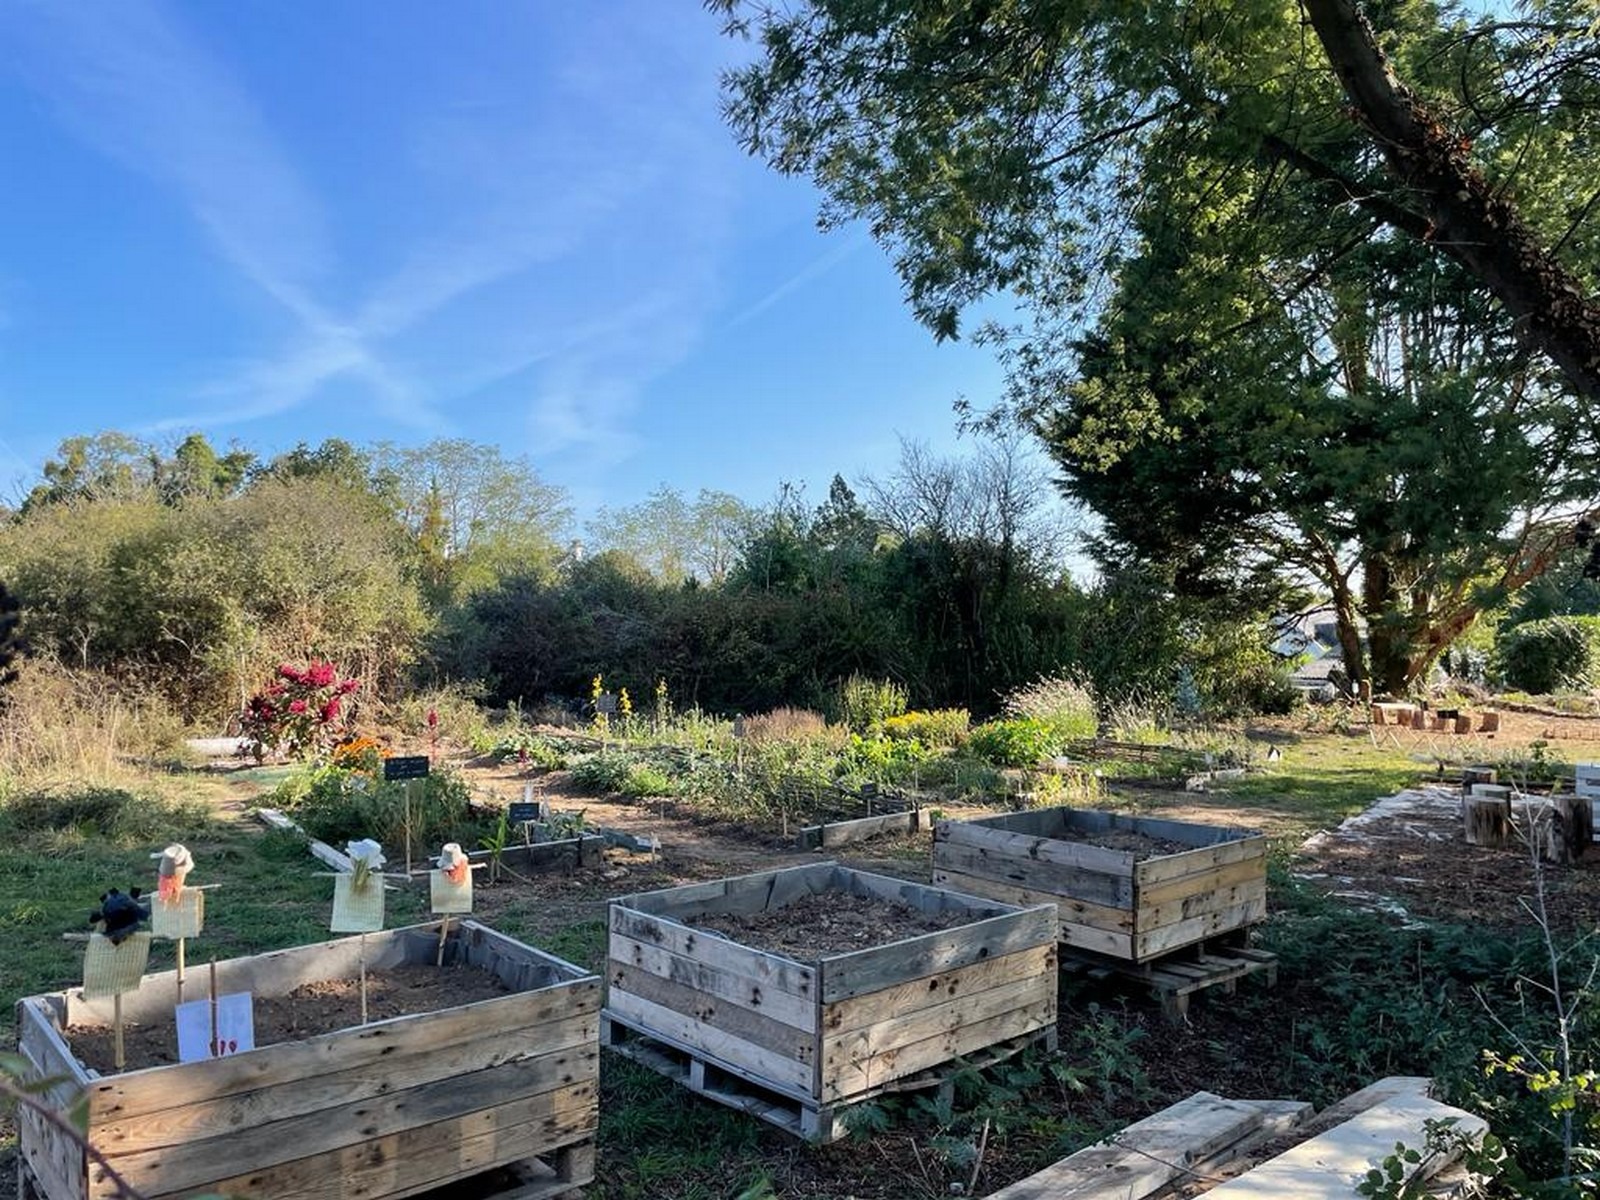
1476, 774
1489, 722
180, 970
1463, 723
363, 957
1487, 820
444, 932
116, 1023
212, 1044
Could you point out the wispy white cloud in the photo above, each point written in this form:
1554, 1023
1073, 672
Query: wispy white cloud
815, 269
578, 254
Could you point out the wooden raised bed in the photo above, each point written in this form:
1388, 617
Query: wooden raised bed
1111, 902
795, 1042
389, 1109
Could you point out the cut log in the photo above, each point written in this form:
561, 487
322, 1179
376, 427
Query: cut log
1489, 722
1476, 774
1561, 828
1487, 820
1463, 724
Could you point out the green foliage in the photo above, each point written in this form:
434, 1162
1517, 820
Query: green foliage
644, 780
943, 728
603, 773
1060, 702
528, 748
1017, 742
336, 804
865, 704
1552, 654
112, 815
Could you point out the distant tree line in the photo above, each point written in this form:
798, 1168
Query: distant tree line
194, 572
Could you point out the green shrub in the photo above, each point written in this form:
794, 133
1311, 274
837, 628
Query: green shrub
1019, 742
865, 704
1552, 654
940, 727
336, 804
105, 813
883, 760
644, 780
1060, 702
529, 748
602, 773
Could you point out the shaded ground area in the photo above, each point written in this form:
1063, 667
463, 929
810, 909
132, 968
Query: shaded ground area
1413, 852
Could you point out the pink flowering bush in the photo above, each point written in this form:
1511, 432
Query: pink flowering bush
302, 711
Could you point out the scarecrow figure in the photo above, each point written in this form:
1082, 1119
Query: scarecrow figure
453, 862
174, 867
120, 914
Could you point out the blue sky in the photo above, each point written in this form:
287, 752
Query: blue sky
521, 223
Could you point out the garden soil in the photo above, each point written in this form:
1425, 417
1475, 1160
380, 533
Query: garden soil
828, 923
309, 1010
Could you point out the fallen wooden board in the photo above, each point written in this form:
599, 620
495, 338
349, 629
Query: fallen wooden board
321, 851
839, 833
1179, 1142
1332, 1164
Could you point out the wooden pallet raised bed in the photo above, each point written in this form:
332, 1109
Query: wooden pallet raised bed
795, 1042
1110, 901
393, 1108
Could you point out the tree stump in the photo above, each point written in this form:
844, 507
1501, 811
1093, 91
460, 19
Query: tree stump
1489, 722
1561, 828
1419, 719
1463, 724
1476, 774
1487, 820
1377, 714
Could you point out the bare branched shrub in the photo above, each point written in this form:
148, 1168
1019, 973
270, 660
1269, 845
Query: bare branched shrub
785, 725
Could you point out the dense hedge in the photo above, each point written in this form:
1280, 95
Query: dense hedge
1555, 654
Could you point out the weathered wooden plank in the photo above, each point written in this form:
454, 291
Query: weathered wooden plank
1171, 937
521, 1015
744, 1023
1097, 927
40, 1040
404, 1164
716, 1044
740, 894
869, 970
860, 1012
920, 896
841, 1050
1326, 1164
1035, 822
193, 1162
566, 1051
559, 969
1112, 888
842, 833
1175, 866
1221, 899
773, 972
55, 1160
730, 986
321, 851
1022, 846
908, 1058
1201, 881
1146, 1156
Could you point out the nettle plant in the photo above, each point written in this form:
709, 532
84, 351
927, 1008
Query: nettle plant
302, 711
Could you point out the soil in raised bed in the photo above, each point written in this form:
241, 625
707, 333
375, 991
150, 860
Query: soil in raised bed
311, 1009
1140, 845
829, 923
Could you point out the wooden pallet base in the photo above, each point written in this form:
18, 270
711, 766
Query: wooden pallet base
801, 1117
554, 1174
1220, 963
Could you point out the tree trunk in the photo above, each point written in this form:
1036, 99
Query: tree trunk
1466, 218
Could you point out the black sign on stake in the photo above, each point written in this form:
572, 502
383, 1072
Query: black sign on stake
606, 704
412, 767
521, 812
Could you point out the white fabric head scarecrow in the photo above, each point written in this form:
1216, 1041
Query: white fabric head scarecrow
454, 863
174, 867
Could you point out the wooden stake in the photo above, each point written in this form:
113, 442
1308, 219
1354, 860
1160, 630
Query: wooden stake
213, 1043
444, 932
180, 970
409, 782
363, 956
116, 1022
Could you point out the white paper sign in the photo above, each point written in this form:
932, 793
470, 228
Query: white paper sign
236, 1028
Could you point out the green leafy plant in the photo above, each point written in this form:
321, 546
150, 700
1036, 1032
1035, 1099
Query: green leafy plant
603, 773
1015, 742
944, 727
865, 704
